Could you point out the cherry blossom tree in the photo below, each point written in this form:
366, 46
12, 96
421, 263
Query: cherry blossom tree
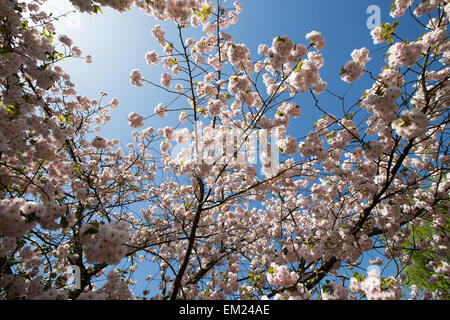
227, 205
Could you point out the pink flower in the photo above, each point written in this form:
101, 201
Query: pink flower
165, 79
316, 40
411, 124
136, 78
354, 69
214, 107
404, 54
282, 46
114, 103
152, 58
99, 142
135, 120
280, 276
288, 145
65, 40
161, 110
238, 53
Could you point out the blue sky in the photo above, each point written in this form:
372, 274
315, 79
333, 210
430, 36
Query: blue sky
119, 42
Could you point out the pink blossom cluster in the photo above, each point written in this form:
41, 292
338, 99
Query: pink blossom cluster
282, 46
380, 101
404, 54
19, 216
377, 34
152, 58
307, 77
312, 146
114, 289
354, 69
165, 146
165, 79
373, 290
283, 54
65, 40
288, 145
99, 142
7, 245
235, 53
435, 37
179, 11
215, 107
47, 214
158, 32
21, 119
215, 62
411, 124
30, 257
16, 285
161, 110
114, 103
316, 40
92, 295
87, 6
280, 276
13, 222
238, 53
106, 242
335, 291
239, 84
136, 78
135, 120
34, 289
400, 7
428, 6
206, 89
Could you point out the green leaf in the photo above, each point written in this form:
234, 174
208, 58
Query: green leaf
97, 9
47, 34
298, 68
419, 271
205, 13
388, 31
24, 25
